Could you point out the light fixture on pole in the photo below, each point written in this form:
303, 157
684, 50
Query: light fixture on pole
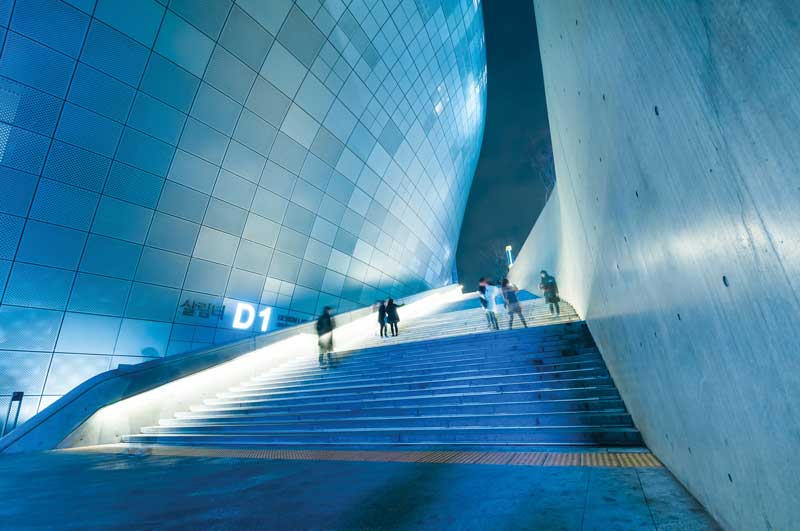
509, 256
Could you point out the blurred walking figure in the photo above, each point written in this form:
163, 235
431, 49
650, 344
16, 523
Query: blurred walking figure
325, 326
550, 290
391, 316
492, 292
512, 303
382, 318
491, 318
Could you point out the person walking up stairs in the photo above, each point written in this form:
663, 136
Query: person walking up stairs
512, 303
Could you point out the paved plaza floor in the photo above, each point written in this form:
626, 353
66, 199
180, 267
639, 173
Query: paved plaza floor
90, 490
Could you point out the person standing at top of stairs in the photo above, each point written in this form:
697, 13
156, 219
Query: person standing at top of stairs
550, 290
491, 318
382, 318
325, 326
392, 317
512, 303
492, 292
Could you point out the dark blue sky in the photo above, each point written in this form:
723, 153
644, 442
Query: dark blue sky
508, 191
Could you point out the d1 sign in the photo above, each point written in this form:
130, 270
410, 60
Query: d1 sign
245, 316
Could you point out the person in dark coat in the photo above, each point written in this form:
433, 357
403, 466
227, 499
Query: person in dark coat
391, 316
325, 326
512, 303
550, 291
382, 318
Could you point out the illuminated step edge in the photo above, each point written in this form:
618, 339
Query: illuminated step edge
422, 400
438, 387
609, 404
354, 364
479, 369
311, 422
521, 375
518, 435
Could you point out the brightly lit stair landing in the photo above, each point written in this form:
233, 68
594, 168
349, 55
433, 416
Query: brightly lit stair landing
446, 382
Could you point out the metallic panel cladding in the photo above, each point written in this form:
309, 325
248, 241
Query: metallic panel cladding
160, 163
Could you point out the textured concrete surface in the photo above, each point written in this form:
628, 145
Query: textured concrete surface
155, 492
675, 230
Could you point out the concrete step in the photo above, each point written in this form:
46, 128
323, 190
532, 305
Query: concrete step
542, 335
216, 424
532, 313
441, 355
592, 404
430, 359
453, 331
290, 371
338, 368
392, 379
327, 377
510, 435
422, 399
423, 382
443, 388
568, 330
489, 342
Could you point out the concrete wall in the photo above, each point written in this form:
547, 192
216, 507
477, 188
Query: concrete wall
676, 230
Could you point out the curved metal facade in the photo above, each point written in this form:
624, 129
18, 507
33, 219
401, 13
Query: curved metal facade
161, 165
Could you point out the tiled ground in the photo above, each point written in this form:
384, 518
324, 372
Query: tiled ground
88, 491
557, 456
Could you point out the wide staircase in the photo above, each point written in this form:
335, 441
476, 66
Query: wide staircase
445, 382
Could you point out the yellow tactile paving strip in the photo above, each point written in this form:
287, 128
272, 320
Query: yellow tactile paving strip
572, 459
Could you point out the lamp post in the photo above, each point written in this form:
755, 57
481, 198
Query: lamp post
509, 256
